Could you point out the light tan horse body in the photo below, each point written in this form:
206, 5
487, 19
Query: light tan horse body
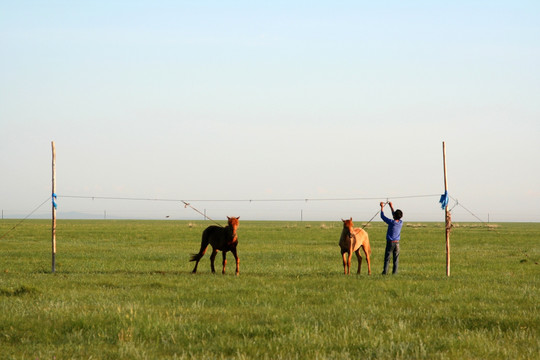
351, 240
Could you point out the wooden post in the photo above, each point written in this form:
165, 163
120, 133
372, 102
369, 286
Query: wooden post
53, 207
447, 216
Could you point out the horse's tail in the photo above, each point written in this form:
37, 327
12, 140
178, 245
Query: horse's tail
204, 244
196, 257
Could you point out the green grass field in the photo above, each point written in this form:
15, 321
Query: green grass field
123, 290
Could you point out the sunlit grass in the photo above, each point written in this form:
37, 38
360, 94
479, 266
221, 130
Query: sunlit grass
123, 289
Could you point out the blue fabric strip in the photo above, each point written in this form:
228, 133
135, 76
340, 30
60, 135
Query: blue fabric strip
444, 200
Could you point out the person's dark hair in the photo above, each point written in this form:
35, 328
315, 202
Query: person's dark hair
398, 214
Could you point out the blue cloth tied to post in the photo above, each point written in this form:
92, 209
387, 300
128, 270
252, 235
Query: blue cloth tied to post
54, 197
444, 200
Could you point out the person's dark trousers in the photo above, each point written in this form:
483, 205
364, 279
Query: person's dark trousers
392, 248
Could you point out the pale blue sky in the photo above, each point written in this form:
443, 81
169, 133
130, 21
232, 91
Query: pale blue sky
271, 100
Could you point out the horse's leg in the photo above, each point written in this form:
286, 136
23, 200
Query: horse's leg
359, 257
235, 254
204, 244
224, 262
367, 251
349, 260
212, 258
344, 257
197, 258
196, 264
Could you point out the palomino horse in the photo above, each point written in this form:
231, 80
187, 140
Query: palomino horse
352, 239
222, 239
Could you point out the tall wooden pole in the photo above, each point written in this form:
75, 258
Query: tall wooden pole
446, 215
53, 207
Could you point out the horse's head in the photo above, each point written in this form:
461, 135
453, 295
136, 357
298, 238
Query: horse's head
233, 223
348, 224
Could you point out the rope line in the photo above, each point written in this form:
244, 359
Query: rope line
186, 204
469, 211
377, 213
245, 200
27, 216
497, 233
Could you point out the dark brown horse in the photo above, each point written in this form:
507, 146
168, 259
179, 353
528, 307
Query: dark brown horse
351, 240
222, 239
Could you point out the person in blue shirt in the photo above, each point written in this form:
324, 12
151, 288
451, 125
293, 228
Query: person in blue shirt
393, 235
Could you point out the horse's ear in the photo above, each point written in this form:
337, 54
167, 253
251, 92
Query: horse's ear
351, 218
238, 218
343, 220
228, 218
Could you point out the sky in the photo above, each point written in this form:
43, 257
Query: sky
342, 103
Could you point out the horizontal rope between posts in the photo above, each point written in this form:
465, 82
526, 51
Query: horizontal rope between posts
245, 200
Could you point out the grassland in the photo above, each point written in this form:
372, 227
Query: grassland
123, 290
